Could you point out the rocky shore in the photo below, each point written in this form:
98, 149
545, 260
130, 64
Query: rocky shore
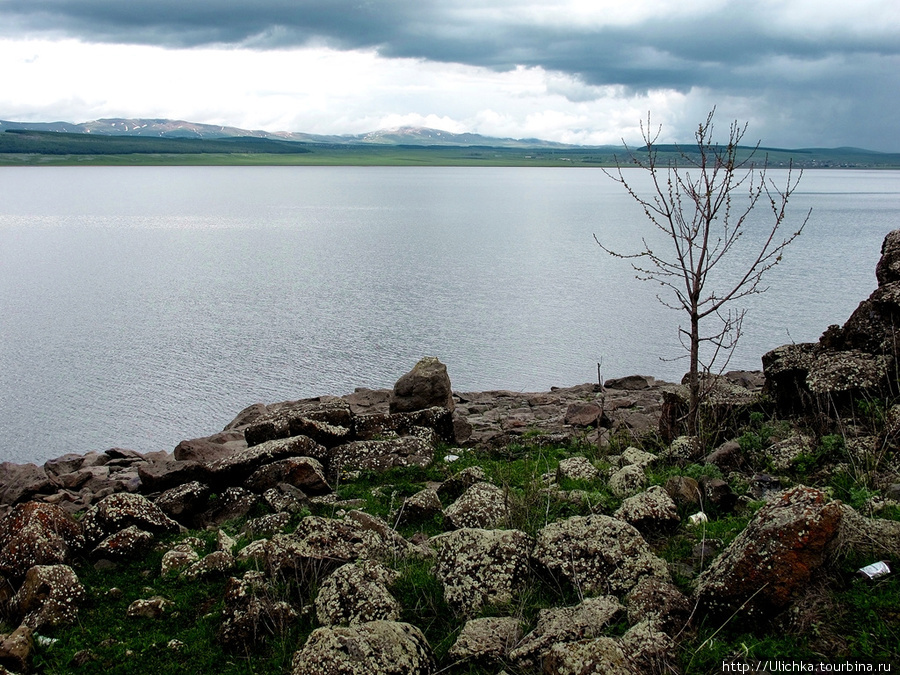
281, 513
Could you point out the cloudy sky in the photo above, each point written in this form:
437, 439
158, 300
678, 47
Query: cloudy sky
803, 73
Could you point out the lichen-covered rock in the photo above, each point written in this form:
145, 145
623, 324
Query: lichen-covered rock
649, 511
37, 534
252, 613
633, 455
129, 542
576, 468
182, 502
233, 503
656, 600
49, 596
597, 554
380, 455
851, 370
176, 559
600, 656
268, 525
649, 649
377, 647
683, 450
426, 385
285, 498
319, 545
784, 453
482, 567
119, 511
774, 557
565, 624
151, 608
627, 480
422, 506
483, 505
217, 563
16, 649
242, 464
356, 593
486, 640
454, 486
304, 473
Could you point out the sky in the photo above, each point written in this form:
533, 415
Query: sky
800, 73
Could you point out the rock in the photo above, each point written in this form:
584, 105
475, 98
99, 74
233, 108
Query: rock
660, 602
216, 564
237, 467
49, 596
159, 476
682, 450
763, 486
285, 498
486, 640
119, 511
482, 567
37, 534
153, 608
717, 493
210, 449
248, 415
325, 419
597, 554
20, 482
627, 480
421, 507
887, 270
683, 490
68, 463
319, 545
630, 383
727, 457
232, 504
637, 457
786, 368
583, 414
184, 502
426, 385
482, 506
454, 486
422, 423
251, 614
600, 656
648, 649
178, 558
380, 456
875, 537
357, 593
565, 624
266, 526
650, 511
382, 647
129, 542
773, 558
576, 468
16, 649
304, 473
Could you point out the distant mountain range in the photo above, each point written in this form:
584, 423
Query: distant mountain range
163, 128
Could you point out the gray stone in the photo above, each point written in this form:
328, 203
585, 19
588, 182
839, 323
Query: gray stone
426, 385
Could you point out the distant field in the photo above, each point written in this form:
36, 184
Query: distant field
41, 148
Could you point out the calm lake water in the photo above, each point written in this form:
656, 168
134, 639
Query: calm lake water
142, 306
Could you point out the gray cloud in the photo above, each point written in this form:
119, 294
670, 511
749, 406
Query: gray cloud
739, 49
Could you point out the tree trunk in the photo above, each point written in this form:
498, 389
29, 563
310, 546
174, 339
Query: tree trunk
694, 377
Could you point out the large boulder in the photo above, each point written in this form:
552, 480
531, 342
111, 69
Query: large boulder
20, 482
37, 534
600, 656
49, 596
486, 640
356, 593
382, 647
251, 614
304, 473
425, 386
772, 560
119, 511
565, 624
380, 455
597, 554
482, 567
482, 505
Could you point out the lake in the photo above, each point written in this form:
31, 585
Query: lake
140, 306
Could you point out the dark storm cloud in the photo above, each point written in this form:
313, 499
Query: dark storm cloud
661, 51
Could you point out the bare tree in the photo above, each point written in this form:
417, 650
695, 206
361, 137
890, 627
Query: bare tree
702, 200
